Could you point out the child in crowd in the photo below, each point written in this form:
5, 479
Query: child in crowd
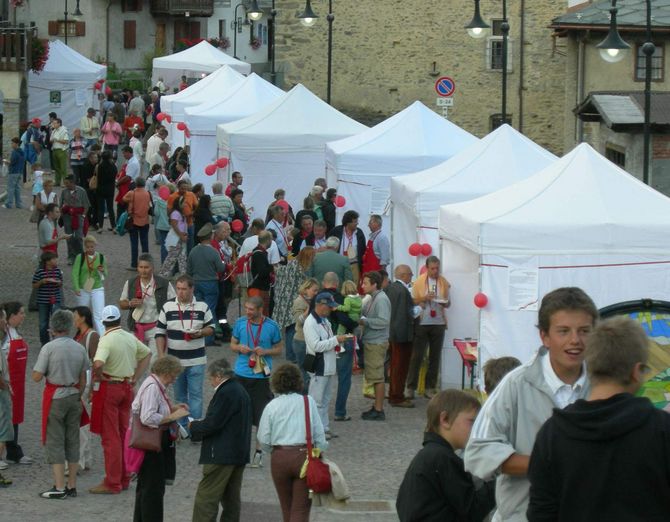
353, 303
436, 486
496, 369
48, 280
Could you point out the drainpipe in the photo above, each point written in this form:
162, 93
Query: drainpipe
522, 55
109, 4
581, 67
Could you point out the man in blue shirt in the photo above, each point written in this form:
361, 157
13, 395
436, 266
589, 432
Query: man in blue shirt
256, 339
15, 168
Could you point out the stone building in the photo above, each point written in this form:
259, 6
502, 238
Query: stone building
604, 102
388, 54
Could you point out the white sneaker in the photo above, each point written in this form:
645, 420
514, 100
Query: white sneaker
257, 461
409, 393
25, 460
3, 465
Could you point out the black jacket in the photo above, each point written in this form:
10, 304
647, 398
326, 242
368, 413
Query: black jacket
225, 431
401, 328
602, 460
261, 270
161, 293
298, 241
360, 246
329, 211
436, 487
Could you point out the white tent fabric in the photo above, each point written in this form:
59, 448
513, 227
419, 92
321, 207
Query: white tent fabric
283, 146
582, 221
202, 58
73, 75
501, 158
220, 83
414, 139
246, 98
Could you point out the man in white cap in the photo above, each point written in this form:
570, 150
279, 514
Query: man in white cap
119, 361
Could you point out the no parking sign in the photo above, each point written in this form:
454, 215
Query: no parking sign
445, 87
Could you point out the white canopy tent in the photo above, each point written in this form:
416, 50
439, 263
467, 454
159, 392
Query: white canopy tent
68, 76
244, 99
202, 58
501, 158
582, 221
282, 146
221, 82
414, 139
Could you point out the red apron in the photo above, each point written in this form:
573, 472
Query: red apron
52, 248
47, 397
17, 359
97, 405
370, 263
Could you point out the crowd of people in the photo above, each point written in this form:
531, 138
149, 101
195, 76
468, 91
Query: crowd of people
319, 294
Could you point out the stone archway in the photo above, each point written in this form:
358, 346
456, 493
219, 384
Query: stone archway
14, 89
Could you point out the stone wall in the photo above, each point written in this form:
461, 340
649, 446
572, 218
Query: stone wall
383, 55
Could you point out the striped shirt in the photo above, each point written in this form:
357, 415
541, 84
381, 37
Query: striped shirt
175, 321
49, 293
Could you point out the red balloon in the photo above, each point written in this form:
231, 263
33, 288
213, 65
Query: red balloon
181, 126
222, 163
481, 300
168, 118
423, 270
210, 170
164, 193
108, 90
426, 249
414, 249
187, 133
237, 225
340, 201
160, 116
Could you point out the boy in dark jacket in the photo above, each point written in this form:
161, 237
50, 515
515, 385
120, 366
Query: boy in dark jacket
607, 457
436, 487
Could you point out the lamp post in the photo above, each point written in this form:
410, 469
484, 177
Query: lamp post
476, 29
613, 49
77, 12
236, 25
307, 18
273, 70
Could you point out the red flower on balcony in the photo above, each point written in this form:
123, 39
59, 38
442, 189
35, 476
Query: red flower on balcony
40, 54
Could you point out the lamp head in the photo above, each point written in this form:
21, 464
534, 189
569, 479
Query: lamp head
254, 12
477, 26
613, 48
307, 17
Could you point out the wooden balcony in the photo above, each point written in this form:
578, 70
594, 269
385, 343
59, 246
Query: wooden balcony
182, 7
16, 47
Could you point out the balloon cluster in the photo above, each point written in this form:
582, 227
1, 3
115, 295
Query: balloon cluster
220, 163
417, 249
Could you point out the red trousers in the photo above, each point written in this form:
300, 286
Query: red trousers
401, 353
115, 415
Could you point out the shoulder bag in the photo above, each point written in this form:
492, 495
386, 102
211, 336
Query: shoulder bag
318, 472
145, 437
93, 182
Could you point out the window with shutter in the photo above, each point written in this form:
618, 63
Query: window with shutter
194, 30
129, 34
53, 27
494, 48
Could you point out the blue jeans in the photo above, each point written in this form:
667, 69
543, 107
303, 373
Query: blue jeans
190, 243
188, 390
289, 332
45, 312
299, 351
208, 291
162, 234
141, 233
345, 363
14, 190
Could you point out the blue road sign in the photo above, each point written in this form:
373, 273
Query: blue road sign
445, 87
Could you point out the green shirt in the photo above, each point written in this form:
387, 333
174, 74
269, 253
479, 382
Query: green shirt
84, 267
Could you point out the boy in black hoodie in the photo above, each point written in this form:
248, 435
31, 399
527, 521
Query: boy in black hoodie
436, 487
608, 457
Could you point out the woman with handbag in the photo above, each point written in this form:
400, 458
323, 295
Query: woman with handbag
283, 430
175, 241
152, 418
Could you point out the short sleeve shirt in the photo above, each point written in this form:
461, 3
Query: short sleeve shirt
120, 351
243, 331
62, 361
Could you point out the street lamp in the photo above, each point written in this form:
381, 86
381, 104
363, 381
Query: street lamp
77, 12
307, 17
613, 49
254, 13
236, 25
273, 70
476, 29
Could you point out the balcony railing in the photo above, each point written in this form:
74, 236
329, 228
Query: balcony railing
16, 47
182, 7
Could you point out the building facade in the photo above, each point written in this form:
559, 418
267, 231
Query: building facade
388, 54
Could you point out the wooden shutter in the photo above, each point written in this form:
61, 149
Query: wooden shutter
194, 30
53, 27
80, 28
129, 34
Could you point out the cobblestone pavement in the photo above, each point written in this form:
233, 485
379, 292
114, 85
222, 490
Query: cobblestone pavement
372, 455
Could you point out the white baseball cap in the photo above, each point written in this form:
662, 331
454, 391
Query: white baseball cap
110, 313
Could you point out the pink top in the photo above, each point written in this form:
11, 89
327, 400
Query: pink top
111, 133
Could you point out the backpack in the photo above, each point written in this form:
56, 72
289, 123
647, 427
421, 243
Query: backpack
242, 272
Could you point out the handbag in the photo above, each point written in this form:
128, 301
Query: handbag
318, 472
34, 215
93, 182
